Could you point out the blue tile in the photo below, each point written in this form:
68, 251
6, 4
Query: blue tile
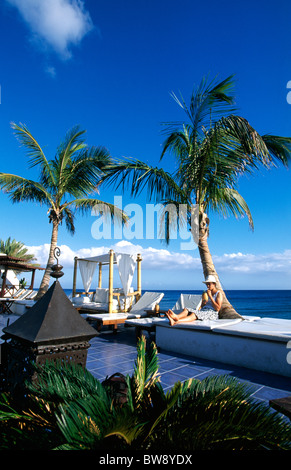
110, 353
117, 353
268, 393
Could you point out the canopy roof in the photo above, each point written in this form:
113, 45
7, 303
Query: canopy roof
103, 259
126, 266
17, 264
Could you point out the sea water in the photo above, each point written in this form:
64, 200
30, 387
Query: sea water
262, 303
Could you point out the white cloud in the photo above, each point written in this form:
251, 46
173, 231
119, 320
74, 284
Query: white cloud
154, 258
57, 24
167, 262
51, 71
236, 270
250, 263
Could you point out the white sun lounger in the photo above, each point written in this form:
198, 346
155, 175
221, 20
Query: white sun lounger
192, 301
23, 300
148, 301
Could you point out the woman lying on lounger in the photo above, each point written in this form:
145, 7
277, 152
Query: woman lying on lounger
210, 306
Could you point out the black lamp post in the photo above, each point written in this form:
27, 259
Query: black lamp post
51, 330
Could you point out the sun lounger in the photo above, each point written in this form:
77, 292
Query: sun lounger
105, 319
147, 302
16, 294
16, 303
192, 301
98, 302
23, 301
149, 324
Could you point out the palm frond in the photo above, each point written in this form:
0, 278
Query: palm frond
33, 149
145, 371
15, 249
180, 144
71, 145
59, 382
73, 142
139, 176
95, 425
23, 189
96, 206
279, 149
69, 220
85, 171
226, 201
208, 102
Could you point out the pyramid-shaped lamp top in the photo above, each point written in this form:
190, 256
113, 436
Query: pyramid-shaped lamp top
52, 320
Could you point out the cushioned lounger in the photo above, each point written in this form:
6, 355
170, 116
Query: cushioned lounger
185, 301
113, 319
256, 343
147, 301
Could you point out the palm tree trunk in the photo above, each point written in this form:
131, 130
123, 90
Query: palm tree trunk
208, 265
46, 277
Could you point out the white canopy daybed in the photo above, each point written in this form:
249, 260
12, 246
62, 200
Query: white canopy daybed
126, 266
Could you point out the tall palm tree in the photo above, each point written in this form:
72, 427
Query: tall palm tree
66, 183
213, 147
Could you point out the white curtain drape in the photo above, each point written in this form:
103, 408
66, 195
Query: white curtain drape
126, 266
87, 270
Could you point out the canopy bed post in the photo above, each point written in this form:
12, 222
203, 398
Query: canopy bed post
138, 262
75, 276
110, 299
100, 276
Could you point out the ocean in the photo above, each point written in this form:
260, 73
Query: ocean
262, 303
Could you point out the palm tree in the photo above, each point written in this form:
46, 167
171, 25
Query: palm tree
66, 183
212, 149
68, 409
15, 249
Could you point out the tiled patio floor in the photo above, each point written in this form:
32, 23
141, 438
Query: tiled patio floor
111, 353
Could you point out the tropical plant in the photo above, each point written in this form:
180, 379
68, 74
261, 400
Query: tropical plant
66, 183
22, 283
212, 149
68, 409
16, 249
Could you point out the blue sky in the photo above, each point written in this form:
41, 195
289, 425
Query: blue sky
110, 67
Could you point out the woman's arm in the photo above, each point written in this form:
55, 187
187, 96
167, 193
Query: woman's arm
216, 303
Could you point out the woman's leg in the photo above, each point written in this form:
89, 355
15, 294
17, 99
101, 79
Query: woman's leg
190, 317
181, 318
178, 316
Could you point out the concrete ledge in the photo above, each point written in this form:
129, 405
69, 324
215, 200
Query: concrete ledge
261, 344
